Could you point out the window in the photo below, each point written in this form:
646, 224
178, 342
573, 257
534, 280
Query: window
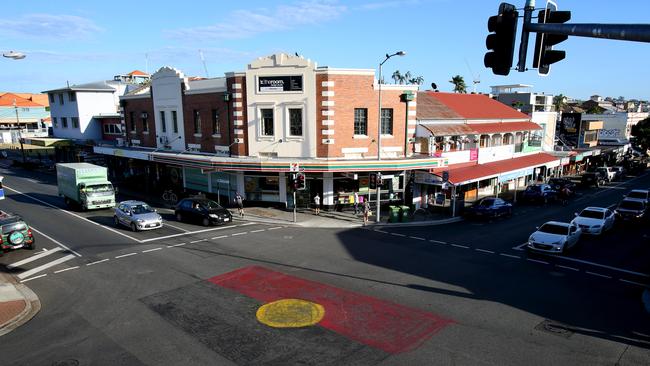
163, 124
267, 122
75, 122
295, 121
112, 129
51, 98
64, 122
61, 99
197, 121
361, 121
132, 120
387, 121
216, 128
145, 125
484, 141
54, 122
496, 140
174, 122
72, 96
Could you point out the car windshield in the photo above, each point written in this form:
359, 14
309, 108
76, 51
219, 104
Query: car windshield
6, 229
591, 214
554, 229
631, 205
142, 209
534, 188
210, 205
99, 188
486, 203
641, 195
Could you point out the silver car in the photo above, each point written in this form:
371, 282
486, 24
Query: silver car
137, 215
554, 237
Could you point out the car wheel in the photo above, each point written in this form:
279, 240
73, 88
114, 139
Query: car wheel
31, 246
509, 212
206, 221
133, 227
179, 217
116, 221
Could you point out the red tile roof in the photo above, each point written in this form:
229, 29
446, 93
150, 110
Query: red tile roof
137, 73
468, 106
7, 100
489, 170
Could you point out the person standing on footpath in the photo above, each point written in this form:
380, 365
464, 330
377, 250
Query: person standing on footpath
317, 204
366, 212
356, 203
239, 201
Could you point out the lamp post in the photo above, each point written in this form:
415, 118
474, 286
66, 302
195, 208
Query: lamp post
379, 82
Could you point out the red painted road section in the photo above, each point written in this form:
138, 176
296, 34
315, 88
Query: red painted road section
390, 327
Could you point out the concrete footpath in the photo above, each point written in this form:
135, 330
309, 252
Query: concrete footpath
18, 304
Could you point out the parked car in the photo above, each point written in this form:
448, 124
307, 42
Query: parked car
608, 172
631, 209
594, 220
201, 210
16, 233
540, 193
640, 194
620, 172
137, 215
592, 179
554, 237
558, 184
489, 207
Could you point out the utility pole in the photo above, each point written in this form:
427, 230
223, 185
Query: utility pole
20, 134
523, 46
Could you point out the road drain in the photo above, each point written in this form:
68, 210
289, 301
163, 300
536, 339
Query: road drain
553, 327
68, 362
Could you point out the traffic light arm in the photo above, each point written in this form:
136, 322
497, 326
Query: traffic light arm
625, 32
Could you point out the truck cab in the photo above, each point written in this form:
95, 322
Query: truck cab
85, 185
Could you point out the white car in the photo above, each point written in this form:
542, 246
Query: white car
639, 194
594, 220
554, 237
608, 172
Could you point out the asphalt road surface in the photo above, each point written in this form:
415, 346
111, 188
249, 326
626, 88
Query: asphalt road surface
462, 294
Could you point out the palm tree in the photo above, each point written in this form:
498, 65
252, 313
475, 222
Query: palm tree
559, 101
418, 80
406, 77
397, 76
459, 84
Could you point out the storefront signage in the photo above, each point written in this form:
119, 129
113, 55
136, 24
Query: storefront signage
426, 178
516, 174
473, 154
280, 83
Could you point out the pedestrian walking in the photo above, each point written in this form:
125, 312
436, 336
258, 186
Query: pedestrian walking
356, 203
366, 212
317, 204
239, 201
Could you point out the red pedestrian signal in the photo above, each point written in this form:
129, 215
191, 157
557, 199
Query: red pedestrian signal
300, 182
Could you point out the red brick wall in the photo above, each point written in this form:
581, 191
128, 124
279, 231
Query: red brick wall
204, 104
239, 149
138, 106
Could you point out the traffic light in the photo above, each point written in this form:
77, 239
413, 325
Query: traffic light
300, 181
545, 55
501, 41
380, 180
373, 181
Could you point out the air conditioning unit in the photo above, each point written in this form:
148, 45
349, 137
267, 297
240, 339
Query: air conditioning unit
145, 115
119, 141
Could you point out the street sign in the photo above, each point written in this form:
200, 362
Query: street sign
294, 167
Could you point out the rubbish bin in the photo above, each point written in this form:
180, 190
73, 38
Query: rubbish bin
394, 214
404, 213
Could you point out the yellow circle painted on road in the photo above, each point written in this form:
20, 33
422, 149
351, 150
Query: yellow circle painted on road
290, 313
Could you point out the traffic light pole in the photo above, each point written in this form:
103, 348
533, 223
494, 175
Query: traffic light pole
378, 201
624, 32
523, 46
294, 205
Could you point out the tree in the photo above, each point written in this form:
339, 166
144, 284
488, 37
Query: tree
418, 80
641, 131
596, 110
459, 84
406, 77
559, 101
397, 77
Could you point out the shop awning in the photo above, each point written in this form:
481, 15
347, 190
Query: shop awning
504, 169
461, 129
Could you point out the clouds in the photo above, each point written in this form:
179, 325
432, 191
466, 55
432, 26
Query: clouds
378, 5
50, 26
248, 23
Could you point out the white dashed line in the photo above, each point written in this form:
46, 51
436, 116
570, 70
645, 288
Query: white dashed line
258, 231
92, 263
198, 241
604, 266
536, 261
125, 255
634, 283
565, 267
437, 241
484, 251
598, 274
417, 238
191, 233
398, 234
275, 228
176, 245
381, 231
236, 234
33, 278
67, 269
509, 255
219, 237
151, 250
520, 246
459, 246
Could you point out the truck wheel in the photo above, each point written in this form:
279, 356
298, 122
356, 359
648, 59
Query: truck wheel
67, 201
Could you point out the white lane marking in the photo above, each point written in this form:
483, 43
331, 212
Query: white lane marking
67, 269
96, 262
175, 227
125, 255
437, 241
258, 231
608, 267
398, 234
34, 257
509, 255
242, 233
484, 250
381, 231
417, 238
45, 266
598, 274
565, 267
219, 237
634, 283
73, 214
459, 246
191, 233
33, 278
536, 261
520, 246
55, 241
275, 228
151, 250
198, 241
176, 245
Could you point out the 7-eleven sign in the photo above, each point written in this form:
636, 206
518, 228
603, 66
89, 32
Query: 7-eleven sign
294, 167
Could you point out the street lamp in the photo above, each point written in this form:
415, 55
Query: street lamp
379, 81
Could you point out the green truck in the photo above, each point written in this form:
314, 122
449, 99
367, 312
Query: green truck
85, 185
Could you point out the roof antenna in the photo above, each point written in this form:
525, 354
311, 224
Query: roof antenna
204, 66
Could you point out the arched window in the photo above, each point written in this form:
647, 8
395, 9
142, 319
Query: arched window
508, 139
485, 141
496, 140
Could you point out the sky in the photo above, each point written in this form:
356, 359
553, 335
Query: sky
78, 42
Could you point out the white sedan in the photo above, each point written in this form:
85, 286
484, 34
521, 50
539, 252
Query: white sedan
554, 237
594, 220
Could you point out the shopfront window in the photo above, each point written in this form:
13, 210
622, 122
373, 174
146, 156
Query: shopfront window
262, 188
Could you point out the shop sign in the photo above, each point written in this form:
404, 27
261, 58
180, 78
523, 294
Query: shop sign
426, 178
280, 83
516, 174
294, 167
473, 154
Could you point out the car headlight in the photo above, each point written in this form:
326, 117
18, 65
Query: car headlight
140, 221
214, 216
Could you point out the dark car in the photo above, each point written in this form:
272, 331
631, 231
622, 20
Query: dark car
558, 184
631, 209
201, 210
592, 179
16, 233
489, 207
539, 193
